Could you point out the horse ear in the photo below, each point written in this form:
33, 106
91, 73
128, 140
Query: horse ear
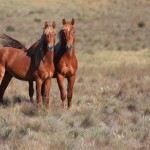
63, 21
54, 24
45, 25
72, 21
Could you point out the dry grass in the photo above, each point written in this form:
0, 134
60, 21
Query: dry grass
111, 102
110, 108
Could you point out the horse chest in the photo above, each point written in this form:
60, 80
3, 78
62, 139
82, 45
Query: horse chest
67, 70
45, 72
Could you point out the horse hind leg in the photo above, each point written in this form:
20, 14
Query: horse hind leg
2, 72
43, 93
31, 91
7, 78
38, 92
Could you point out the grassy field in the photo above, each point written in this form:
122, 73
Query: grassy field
111, 101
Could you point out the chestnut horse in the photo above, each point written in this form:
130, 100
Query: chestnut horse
35, 65
65, 60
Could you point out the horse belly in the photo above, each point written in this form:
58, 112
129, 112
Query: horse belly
20, 69
21, 74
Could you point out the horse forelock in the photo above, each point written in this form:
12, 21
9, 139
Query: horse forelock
67, 27
40, 45
48, 30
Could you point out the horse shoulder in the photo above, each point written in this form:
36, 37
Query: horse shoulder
45, 71
75, 62
3, 54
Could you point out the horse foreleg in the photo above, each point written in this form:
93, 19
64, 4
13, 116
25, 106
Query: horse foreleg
70, 85
7, 78
31, 91
47, 85
60, 79
38, 92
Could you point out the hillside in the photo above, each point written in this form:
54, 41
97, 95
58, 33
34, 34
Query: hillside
100, 24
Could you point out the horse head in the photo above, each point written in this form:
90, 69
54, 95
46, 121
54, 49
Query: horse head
45, 43
49, 35
68, 33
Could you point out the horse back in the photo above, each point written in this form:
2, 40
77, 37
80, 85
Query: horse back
16, 62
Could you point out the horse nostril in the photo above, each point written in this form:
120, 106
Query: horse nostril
69, 47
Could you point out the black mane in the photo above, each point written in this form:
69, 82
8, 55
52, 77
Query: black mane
59, 44
37, 52
59, 48
8, 41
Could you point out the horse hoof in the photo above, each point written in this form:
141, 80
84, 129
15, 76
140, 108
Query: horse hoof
69, 108
39, 106
1, 103
31, 100
64, 106
47, 107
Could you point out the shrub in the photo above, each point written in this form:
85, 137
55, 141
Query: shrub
10, 29
5, 129
29, 111
37, 20
141, 24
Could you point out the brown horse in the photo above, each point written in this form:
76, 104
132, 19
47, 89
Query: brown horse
65, 60
35, 65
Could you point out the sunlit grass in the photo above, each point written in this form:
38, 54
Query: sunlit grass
110, 107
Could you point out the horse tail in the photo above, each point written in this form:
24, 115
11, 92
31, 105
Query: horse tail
8, 41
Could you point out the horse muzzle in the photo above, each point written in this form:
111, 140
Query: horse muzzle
50, 47
69, 47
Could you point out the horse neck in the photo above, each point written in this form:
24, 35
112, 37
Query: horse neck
70, 54
48, 55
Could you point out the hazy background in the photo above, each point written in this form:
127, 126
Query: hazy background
100, 24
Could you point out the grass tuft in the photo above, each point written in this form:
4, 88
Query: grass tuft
29, 110
87, 122
10, 29
5, 129
37, 20
141, 24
